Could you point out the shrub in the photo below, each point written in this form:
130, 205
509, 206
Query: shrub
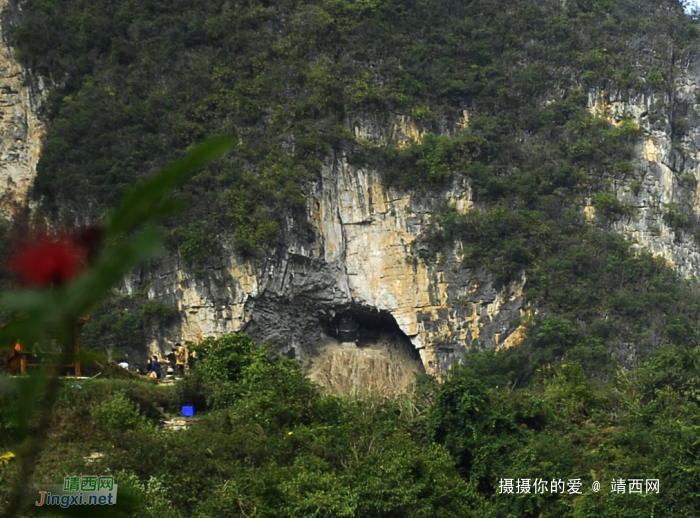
159, 312
197, 245
636, 187
609, 205
120, 414
225, 359
655, 79
675, 218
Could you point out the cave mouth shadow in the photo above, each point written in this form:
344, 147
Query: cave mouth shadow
365, 326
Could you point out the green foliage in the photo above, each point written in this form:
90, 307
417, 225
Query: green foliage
465, 421
159, 312
254, 225
119, 414
122, 324
9, 410
376, 457
227, 358
525, 225
687, 180
425, 164
45, 317
84, 395
592, 285
197, 245
110, 330
676, 218
636, 187
291, 78
608, 204
132, 82
565, 427
151, 498
262, 387
274, 445
655, 79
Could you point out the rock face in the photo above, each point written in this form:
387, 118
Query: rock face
667, 171
362, 258
360, 263
21, 130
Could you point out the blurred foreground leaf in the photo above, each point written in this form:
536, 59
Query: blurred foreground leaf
47, 318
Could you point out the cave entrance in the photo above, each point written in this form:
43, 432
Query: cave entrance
348, 329
366, 327
363, 350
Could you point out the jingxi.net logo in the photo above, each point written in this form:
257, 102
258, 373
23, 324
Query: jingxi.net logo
85, 490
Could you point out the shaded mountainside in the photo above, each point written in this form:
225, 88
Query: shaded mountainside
455, 166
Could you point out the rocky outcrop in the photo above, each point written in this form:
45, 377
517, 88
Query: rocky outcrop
361, 262
21, 129
666, 179
362, 259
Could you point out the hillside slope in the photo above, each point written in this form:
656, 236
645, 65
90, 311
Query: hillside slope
454, 168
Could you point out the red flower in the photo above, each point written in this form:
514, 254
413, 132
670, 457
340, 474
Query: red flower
47, 261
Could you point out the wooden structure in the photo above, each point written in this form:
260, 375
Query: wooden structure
19, 360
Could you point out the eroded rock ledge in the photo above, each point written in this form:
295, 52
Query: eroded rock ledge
360, 260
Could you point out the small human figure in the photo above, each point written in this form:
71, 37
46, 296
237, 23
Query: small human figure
181, 356
149, 368
155, 368
191, 359
171, 358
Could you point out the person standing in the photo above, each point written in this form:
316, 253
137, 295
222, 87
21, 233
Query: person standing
181, 359
155, 367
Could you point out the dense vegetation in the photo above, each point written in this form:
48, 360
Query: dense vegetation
267, 444
133, 82
122, 326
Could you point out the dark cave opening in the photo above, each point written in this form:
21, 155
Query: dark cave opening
364, 326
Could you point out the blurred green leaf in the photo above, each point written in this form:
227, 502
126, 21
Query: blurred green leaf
29, 393
113, 265
36, 301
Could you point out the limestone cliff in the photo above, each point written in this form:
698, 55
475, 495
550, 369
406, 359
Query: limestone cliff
666, 176
360, 262
362, 258
21, 129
